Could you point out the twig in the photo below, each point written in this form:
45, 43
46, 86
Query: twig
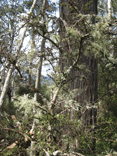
104, 95
9, 129
37, 105
50, 41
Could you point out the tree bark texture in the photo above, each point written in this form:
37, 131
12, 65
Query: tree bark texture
87, 87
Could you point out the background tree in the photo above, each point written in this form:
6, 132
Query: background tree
13, 62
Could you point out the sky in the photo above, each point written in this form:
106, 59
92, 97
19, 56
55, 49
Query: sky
45, 69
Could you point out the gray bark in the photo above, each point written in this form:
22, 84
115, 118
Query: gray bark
3, 75
39, 68
109, 8
6, 85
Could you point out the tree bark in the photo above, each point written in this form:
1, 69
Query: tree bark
39, 68
6, 85
37, 83
87, 86
109, 8
3, 75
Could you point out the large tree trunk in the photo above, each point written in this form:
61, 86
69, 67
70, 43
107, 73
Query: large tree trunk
88, 86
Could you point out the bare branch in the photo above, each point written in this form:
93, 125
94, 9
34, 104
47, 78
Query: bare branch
57, 46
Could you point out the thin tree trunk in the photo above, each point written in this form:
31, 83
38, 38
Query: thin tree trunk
6, 85
3, 76
7, 81
37, 85
109, 8
9, 95
29, 73
39, 68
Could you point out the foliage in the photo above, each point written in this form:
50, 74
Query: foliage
59, 124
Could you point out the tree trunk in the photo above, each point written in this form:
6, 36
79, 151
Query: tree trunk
3, 75
37, 85
6, 85
7, 81
87, 87
9, 95
38, 76
109, 8
29, 73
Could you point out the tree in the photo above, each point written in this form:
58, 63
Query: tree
3, 94
38, 76
8, 24
109, 7
87, 86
